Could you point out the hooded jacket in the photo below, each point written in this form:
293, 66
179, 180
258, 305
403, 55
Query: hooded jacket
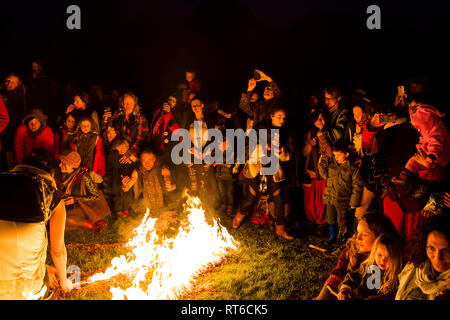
434, 137
25, 140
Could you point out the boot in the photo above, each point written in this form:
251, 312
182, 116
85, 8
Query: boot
237, 220
229, 211
282, 233
333, 234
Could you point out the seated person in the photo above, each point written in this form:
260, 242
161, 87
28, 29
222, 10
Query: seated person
377, 276
427, 273
85, 204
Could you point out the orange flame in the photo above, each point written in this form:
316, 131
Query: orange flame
175, 262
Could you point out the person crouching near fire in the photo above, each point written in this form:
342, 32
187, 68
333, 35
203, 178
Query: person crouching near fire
23, 229
85, 204
152, 185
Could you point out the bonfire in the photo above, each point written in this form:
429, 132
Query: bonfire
161, 268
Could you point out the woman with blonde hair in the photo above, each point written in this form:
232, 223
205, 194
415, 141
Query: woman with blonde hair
377, 277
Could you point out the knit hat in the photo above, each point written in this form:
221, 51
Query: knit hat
72, 158
35, 113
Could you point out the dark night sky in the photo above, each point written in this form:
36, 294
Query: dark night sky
145, 45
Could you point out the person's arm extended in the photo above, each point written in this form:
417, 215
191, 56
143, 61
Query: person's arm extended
128, 182
57, 245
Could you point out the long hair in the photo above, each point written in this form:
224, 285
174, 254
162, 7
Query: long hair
394, 244
416, 249
378, 224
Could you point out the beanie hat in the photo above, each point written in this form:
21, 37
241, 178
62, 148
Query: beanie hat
72, 158
35, 113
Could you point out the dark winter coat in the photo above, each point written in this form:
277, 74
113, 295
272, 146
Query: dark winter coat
344, 183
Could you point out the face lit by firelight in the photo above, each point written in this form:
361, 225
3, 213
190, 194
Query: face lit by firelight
148, 160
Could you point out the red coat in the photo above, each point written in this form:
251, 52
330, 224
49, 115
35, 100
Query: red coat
4, 119
24, 143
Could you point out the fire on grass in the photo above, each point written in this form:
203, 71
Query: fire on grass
165, 268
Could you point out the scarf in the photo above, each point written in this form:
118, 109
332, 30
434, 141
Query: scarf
68, 183
151, 187
425, 278
429, 281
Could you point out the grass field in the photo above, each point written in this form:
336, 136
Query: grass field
265, 267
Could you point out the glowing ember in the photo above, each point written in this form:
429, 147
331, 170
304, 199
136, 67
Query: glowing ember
174, 262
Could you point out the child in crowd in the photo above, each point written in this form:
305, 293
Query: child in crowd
89, 145
225, 181
433, 149
377, 277
65, 134
342, 192
118, 170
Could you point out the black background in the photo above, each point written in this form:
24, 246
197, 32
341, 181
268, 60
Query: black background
145, 46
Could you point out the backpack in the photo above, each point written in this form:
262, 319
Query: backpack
25, 197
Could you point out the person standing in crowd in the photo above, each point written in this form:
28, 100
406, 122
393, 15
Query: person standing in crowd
313, 183
152, 185
89, 145
118, 173
193, 84
65, 134
339, 116
388, 145
225, 180
4, 120
82, 108
13, 96
42, 91
271, 185
342, 191
23, 235
162, 126
257, 111
132, 125
427, 273
33, 133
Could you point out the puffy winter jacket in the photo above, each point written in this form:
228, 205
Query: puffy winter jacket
344, 183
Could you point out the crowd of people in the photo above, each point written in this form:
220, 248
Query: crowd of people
372, 175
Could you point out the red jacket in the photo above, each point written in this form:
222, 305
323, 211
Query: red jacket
24, 143
4, 119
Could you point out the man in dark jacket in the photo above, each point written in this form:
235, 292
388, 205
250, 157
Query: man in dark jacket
339, 116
